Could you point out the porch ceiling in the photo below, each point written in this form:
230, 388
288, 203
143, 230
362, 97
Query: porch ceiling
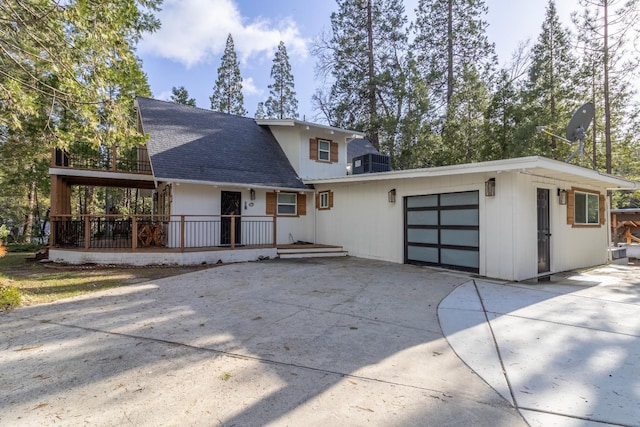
104, 179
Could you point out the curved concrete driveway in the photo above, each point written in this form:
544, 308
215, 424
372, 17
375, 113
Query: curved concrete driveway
305, 342
323, 342
565, 352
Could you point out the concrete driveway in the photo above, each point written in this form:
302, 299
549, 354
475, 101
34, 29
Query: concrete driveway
339, 341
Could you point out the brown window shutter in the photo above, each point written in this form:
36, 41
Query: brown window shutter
313, 149
330, 199
601, 208
317, 200
571, 203
302, 204
272, 199
334, 152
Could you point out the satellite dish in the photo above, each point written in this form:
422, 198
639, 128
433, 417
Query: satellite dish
577, 128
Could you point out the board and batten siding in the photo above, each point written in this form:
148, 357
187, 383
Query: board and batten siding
367, 225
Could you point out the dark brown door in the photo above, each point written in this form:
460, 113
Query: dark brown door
544, 234
230, 204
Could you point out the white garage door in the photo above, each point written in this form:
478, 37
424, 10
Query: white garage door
443, 230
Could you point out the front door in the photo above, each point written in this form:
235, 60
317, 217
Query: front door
544, 235
230, 204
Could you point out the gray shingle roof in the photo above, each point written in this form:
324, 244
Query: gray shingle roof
189, 143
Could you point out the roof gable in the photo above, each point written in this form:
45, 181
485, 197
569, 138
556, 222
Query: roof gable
194, 144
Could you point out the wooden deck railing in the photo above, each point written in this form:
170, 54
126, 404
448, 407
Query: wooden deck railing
105, 158
175, 232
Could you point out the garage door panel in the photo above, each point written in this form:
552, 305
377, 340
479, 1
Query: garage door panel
459, 237
422, 201
458, 199
416, 235
422, 218
423, 254
459, 217
457, 257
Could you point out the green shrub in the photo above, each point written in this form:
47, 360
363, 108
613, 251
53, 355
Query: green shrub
25, 247
10, 298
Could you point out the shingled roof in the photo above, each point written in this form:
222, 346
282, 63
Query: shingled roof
194, 144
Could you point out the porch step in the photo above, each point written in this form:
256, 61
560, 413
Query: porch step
290, 252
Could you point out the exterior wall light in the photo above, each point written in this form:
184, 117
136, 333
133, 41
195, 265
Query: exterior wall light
490, 187
562, 196
252, 194
392, 195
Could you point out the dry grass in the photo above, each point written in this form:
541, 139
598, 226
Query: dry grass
42, 283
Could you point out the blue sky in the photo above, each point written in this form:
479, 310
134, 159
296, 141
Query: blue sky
186, 51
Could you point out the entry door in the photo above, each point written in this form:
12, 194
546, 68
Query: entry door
544, 235
230, 204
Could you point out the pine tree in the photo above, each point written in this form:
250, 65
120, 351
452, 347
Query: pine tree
180, 95
450, 37
260, 113
605, 27
227, 94
282, 102
364, 60
550, 94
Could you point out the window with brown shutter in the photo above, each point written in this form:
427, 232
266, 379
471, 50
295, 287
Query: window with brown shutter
313, 149
286, 204
324, 200
334, 152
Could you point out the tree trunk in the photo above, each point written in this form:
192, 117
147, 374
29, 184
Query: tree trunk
449, 52
373, 108
607, 106
28, 218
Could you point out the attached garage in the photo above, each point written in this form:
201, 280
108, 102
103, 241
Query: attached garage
443, 230
509, 219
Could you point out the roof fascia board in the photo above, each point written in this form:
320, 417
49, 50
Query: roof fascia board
295, 122
234, 185
521, 164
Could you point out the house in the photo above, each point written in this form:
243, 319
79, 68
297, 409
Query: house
233, 188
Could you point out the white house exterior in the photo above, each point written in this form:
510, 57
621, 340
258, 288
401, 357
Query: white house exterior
228, 181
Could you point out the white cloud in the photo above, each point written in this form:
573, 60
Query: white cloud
249, 87
194, 31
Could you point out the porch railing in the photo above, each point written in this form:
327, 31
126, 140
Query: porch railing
176, 232
114, 158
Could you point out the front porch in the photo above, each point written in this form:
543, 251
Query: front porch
173, 239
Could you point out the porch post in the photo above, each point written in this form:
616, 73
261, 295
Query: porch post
182, 233
233, 232
87, 231
134, 232
275, 230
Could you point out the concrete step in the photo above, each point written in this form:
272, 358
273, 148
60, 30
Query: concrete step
314, 254
311, 249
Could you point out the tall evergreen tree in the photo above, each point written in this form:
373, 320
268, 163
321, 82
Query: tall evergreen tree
227, 93
450, 37
282, 102
180, 95
550, 94
605, 27
260, 113
364, 61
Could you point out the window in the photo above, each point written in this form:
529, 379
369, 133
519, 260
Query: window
324, 200
324, 150
287, 203
587, 208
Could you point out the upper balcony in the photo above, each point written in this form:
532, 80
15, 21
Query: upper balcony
103, 158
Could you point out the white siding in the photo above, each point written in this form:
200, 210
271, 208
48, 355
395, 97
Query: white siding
367, 225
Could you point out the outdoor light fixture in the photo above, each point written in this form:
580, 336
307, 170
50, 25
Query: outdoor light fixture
490, 187
562, 196
392, 195
252, 194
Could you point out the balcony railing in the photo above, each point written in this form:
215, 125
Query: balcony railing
87, 156
175, 232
